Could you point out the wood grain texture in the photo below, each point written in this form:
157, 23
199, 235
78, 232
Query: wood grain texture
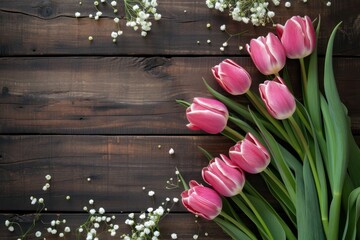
126, 95
182, 224
45, 27
119, 167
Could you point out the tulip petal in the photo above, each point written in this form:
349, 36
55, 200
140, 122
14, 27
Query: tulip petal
200, 119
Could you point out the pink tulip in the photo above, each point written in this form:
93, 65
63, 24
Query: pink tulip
202, 201
279, 101
207, 114
249, 154
231, 77
297, 36
267, 53
226, 180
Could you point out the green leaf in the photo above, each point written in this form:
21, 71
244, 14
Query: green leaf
308, 212
183, 103
269, 218
285, 173
312, 97
353, 215
231, 230
337, 139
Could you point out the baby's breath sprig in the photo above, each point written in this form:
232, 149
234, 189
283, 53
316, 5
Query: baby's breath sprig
146, 225
96, 223
138, 15
246, 11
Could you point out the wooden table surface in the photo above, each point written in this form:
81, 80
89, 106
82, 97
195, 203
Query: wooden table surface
77, 109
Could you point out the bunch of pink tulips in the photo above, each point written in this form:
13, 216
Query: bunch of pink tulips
304, 175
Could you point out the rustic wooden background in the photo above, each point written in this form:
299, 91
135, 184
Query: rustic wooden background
77, 109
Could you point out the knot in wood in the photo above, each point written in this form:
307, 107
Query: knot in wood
46, 9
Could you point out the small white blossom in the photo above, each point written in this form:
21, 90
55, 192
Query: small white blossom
53, 231
48, 177
92, 211
171, 151
287, 4
143, 33
175, 200
91, 201
120, 33
67, 197
208, 25
157, 16
156, 233
61, 235
173, 236
195, 236
80, 230
88, 179
101, 210
38, 234
222, 49
116, 20
151, 193
90, 38
328, 4
113, 3
223, 27
11, 228
67, 229
33, 201
7, 223
77, 14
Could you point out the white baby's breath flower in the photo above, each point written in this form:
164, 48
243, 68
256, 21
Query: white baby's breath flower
33, 201
116, 20
11, 228
223, 27
120, 33
222, 49
173, 236
287, 4
7, 223
195, 236
77, 14
38, 234
91, 201
41, 200
151, 193
92, 211
171, 151
143, 33
48, 176
67, 229
53, 231
113, 3
175, 200
157, 16
80, 230
101, 210
328, 4
61, 235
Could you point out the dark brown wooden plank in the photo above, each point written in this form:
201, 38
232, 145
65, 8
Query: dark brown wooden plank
50, 27
118, 167
182, 224
71, 95
90, 95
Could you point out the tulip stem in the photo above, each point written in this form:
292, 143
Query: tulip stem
303, 73
228, 130
263, 110
238, 224
261, 220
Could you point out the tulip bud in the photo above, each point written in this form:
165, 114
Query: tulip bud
267, 53
249, 154
297, 36
202, 201
231, 77
207, 114
279, 101
226, 180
